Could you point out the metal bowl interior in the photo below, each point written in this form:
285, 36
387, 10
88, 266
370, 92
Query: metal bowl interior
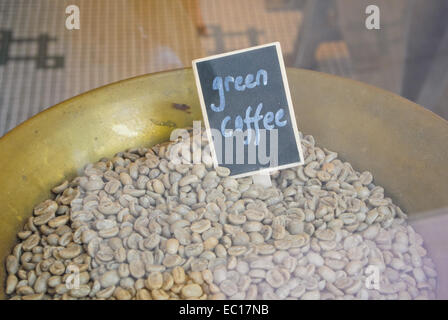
401, 143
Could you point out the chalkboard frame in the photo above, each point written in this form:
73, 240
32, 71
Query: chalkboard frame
288, 99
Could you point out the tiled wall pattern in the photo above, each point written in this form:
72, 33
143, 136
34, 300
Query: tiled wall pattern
27, 87
118, 39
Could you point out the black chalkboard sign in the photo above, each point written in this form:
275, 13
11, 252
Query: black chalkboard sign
247, 110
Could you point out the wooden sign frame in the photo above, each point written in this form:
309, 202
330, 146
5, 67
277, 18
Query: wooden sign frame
263, 171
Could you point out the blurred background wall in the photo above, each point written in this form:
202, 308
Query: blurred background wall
43, 63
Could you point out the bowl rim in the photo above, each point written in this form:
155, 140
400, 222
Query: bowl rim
352, 82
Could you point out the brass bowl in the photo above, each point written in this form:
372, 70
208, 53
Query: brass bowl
401, 143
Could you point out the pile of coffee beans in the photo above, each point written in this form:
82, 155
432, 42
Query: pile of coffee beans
142, 226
